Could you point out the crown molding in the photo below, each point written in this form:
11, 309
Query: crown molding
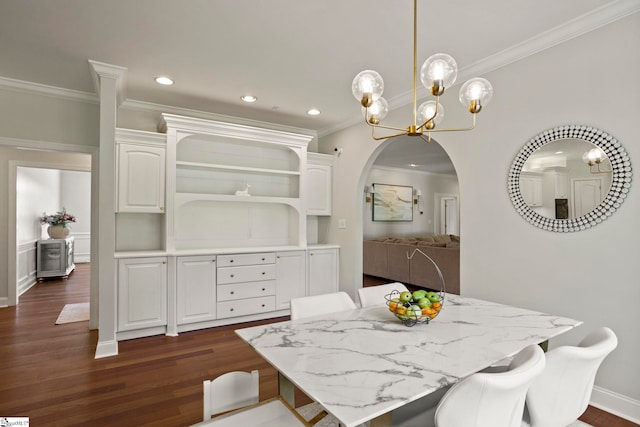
149, 107
40, 145
44, 90
102, 70
576, 27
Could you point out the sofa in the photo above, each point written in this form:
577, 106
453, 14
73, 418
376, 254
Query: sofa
387, 258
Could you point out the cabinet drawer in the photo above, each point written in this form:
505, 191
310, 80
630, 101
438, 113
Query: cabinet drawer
246, 290
249, 273
246, 259
246, 307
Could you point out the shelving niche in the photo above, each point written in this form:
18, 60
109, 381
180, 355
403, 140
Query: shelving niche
209, 161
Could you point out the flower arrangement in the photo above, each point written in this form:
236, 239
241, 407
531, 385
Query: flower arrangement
59, 218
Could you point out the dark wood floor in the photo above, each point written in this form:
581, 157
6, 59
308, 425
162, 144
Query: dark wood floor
48, 372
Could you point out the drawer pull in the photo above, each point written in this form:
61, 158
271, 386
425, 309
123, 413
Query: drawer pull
263, 273
263, 305
263, 289
230, 260
232, 292
262, 259
232, 275
231, 309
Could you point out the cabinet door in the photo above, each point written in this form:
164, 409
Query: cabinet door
531, 189
141, 174
196, 285
142, 293
319, 189
290, 277
561, 190
323, 271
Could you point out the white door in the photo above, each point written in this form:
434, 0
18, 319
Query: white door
586, 195
448, 214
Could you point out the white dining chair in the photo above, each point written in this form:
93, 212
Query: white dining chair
562, 392
316, 305
375, 295
480, 400
234, 398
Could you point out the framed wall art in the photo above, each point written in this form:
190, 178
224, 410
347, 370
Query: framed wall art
392, 202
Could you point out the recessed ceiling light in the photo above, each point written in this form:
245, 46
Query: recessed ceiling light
165, 81
559, 152
249, 98
313, 112
413, 165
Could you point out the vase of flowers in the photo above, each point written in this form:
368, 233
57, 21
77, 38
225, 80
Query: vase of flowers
58, 222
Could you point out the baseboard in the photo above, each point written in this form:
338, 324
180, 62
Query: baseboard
616, 404
106, 349
4, 302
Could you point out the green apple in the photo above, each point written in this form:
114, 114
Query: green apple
424, 302
405, 296
419, 294
433, 296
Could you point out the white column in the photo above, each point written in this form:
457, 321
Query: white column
108, 80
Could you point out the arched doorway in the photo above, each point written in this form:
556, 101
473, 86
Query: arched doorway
426, 171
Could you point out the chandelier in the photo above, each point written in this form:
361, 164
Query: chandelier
438, 72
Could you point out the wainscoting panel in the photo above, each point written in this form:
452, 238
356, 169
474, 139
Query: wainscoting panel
26, 270
82, 247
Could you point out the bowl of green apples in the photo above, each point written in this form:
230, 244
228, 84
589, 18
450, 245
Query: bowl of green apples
416, 307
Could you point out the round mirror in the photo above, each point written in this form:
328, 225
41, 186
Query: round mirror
569, 178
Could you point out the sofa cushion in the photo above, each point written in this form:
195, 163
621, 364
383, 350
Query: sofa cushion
442, 238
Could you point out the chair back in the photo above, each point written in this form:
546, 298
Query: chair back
230, 391
374, 295
562, 392
492, 399
316, 305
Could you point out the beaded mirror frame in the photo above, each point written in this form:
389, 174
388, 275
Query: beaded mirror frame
620, 182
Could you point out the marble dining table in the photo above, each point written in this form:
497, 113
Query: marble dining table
361, 364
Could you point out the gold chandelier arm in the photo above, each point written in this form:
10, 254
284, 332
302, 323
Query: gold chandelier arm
473, 125
380, 138
435, 113
382, 127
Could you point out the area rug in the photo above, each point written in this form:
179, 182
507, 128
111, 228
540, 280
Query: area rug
74, 313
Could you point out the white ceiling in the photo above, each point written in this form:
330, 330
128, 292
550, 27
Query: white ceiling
293, 55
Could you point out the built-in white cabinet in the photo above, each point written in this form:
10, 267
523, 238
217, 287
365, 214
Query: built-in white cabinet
142, 293
234, 186
246, 284
140, 171
319, 182
531, 189
196, 289
291, 273
323, 271
230, 243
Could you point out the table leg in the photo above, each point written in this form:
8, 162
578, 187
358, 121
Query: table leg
383, 420
286, 390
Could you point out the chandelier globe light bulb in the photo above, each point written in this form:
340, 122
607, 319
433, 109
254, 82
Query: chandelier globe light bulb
367, 87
